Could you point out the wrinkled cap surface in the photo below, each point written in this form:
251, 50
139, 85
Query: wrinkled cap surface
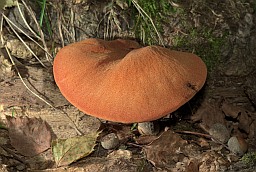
122, 82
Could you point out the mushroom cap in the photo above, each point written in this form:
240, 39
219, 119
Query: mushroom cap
120, 81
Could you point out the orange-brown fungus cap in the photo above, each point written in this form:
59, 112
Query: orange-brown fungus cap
122, 82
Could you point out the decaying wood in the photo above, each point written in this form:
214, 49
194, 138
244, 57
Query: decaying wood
40, 80
16, 100
60, 124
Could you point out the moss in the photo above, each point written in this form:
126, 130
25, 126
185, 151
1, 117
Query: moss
149, 16
204, 43
249, 158
201, 41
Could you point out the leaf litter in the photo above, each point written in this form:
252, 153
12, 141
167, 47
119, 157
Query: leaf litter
29, 136
172, 153
67, 151
163, 152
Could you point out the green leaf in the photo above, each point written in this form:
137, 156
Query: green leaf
66, 151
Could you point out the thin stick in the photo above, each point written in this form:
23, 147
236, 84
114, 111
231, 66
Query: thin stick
49, 104
40, 32
10, 57
204, 135
59, 22
26, 23
25, 44
196, 133
8, 20
152, 22
12, 153
72, 17
17, 70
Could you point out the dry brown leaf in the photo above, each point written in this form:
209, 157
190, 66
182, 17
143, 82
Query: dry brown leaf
243, 116
193, 166
244, 121
252, 129
123, 132
212, 161
165, 151
208, 114
145, 139
230, 110
29, 136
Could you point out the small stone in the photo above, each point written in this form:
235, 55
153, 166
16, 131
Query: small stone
20, 167
237, 145
110, 141
148, 128
220, 132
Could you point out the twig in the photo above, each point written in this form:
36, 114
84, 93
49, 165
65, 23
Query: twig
12, 153
60, 29
204, 135
142, 12
72, 17
8, 20
17, 70
47, 54
136, 145
26, 23
195, 133
25, 44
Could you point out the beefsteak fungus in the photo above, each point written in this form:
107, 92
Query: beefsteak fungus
123, 82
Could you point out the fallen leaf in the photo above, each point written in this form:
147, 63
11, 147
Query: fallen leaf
66, 151
252, 129
193, 166
230, 110
212, 161
165, 151
208, 115
123, 132
29, 136
244, 121
243, 116
145, 139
